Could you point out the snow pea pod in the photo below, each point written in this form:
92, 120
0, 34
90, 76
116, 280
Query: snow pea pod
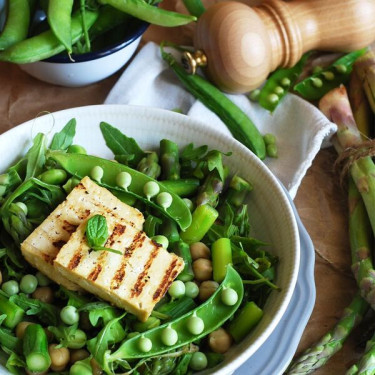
45, 44
60, 18
318, 84
150, 13
17, 23
279, 83
213, 313
82, 165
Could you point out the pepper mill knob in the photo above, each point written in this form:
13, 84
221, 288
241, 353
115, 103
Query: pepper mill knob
244, 44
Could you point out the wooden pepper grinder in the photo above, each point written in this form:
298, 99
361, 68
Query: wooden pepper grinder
239, 45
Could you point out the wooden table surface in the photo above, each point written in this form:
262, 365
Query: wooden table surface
321, 202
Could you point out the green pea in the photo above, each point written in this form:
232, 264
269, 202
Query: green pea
28, 284
71, 184
254, 95
76, 149
54, 176
198, 361
43, 280
144, 344
317, 69
195, 325
189, 203
272, 151
191, 289
69, 315
124, 179
177, 289
329, 76
97, 173
151, 188
272, 98
317, 82
169, 336
164, 199
285, 82
161, 240
80, 368
278, 90
10, 287
229, 297
341, 68
22, 206
269, 139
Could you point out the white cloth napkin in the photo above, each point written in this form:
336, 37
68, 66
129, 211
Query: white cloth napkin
300, 128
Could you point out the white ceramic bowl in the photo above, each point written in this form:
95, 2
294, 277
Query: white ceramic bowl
271, 215
90, 67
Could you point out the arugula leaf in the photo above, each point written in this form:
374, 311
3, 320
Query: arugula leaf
241, 221
36, 156
9, 340
15, 364
215, 161
70, 336
64, 138
46, 312
99, 345
124, 148
74, 299
97, 234
191, 153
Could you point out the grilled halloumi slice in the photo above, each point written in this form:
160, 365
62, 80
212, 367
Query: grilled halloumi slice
134, 281
44, 243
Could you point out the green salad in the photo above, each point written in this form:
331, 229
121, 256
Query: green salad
194, 211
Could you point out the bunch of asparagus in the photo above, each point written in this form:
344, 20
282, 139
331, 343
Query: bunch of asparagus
353, 115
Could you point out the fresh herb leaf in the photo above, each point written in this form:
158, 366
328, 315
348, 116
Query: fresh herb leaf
36, 156
123, 147
97, 234
191, 153
9, 340
68, 336
215, 161
96, 231
46, 312
64, 138
74, 299
15, 364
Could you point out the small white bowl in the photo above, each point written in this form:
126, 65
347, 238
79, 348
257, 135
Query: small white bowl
89, 67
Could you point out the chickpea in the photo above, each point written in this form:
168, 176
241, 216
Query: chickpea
20, 329
44, 294
78, 355
96, 369
199, 250
219, 341
202, 269
59, 357
207, 289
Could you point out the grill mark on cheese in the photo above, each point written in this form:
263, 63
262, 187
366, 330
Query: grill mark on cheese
138, 240
48, 258
142, 278
59, 244
85, 215
118, 230
95, 272
169, 276
69, 227
75, 260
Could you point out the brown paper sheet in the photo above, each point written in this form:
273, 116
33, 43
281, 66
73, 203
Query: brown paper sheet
321, 202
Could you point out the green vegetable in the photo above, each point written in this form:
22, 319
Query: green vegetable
169, 229
177, 289
198, 361
59, 18
97, 234
213, 313
221, 256
195, 7
69, 315
35, 348
43, 280
81, 165
270, 95
317, 85
182, 187
46, 44
63, 139
28, 284
182, 249
237, 191
149, 165
70, 337
245, 320
10, 287
169, 159
161, 240
17, 23
191, 289
149, 13
239, 124
14, 314
54, 176
202, 219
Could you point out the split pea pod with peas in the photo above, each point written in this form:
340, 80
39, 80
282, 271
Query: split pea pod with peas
106, 173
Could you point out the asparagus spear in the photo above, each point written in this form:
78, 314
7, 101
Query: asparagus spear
335, 105
316, 356
366, 365
237, 191
149, 165
169, 158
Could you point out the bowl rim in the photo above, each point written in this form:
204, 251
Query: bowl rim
140, 28
170, 117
